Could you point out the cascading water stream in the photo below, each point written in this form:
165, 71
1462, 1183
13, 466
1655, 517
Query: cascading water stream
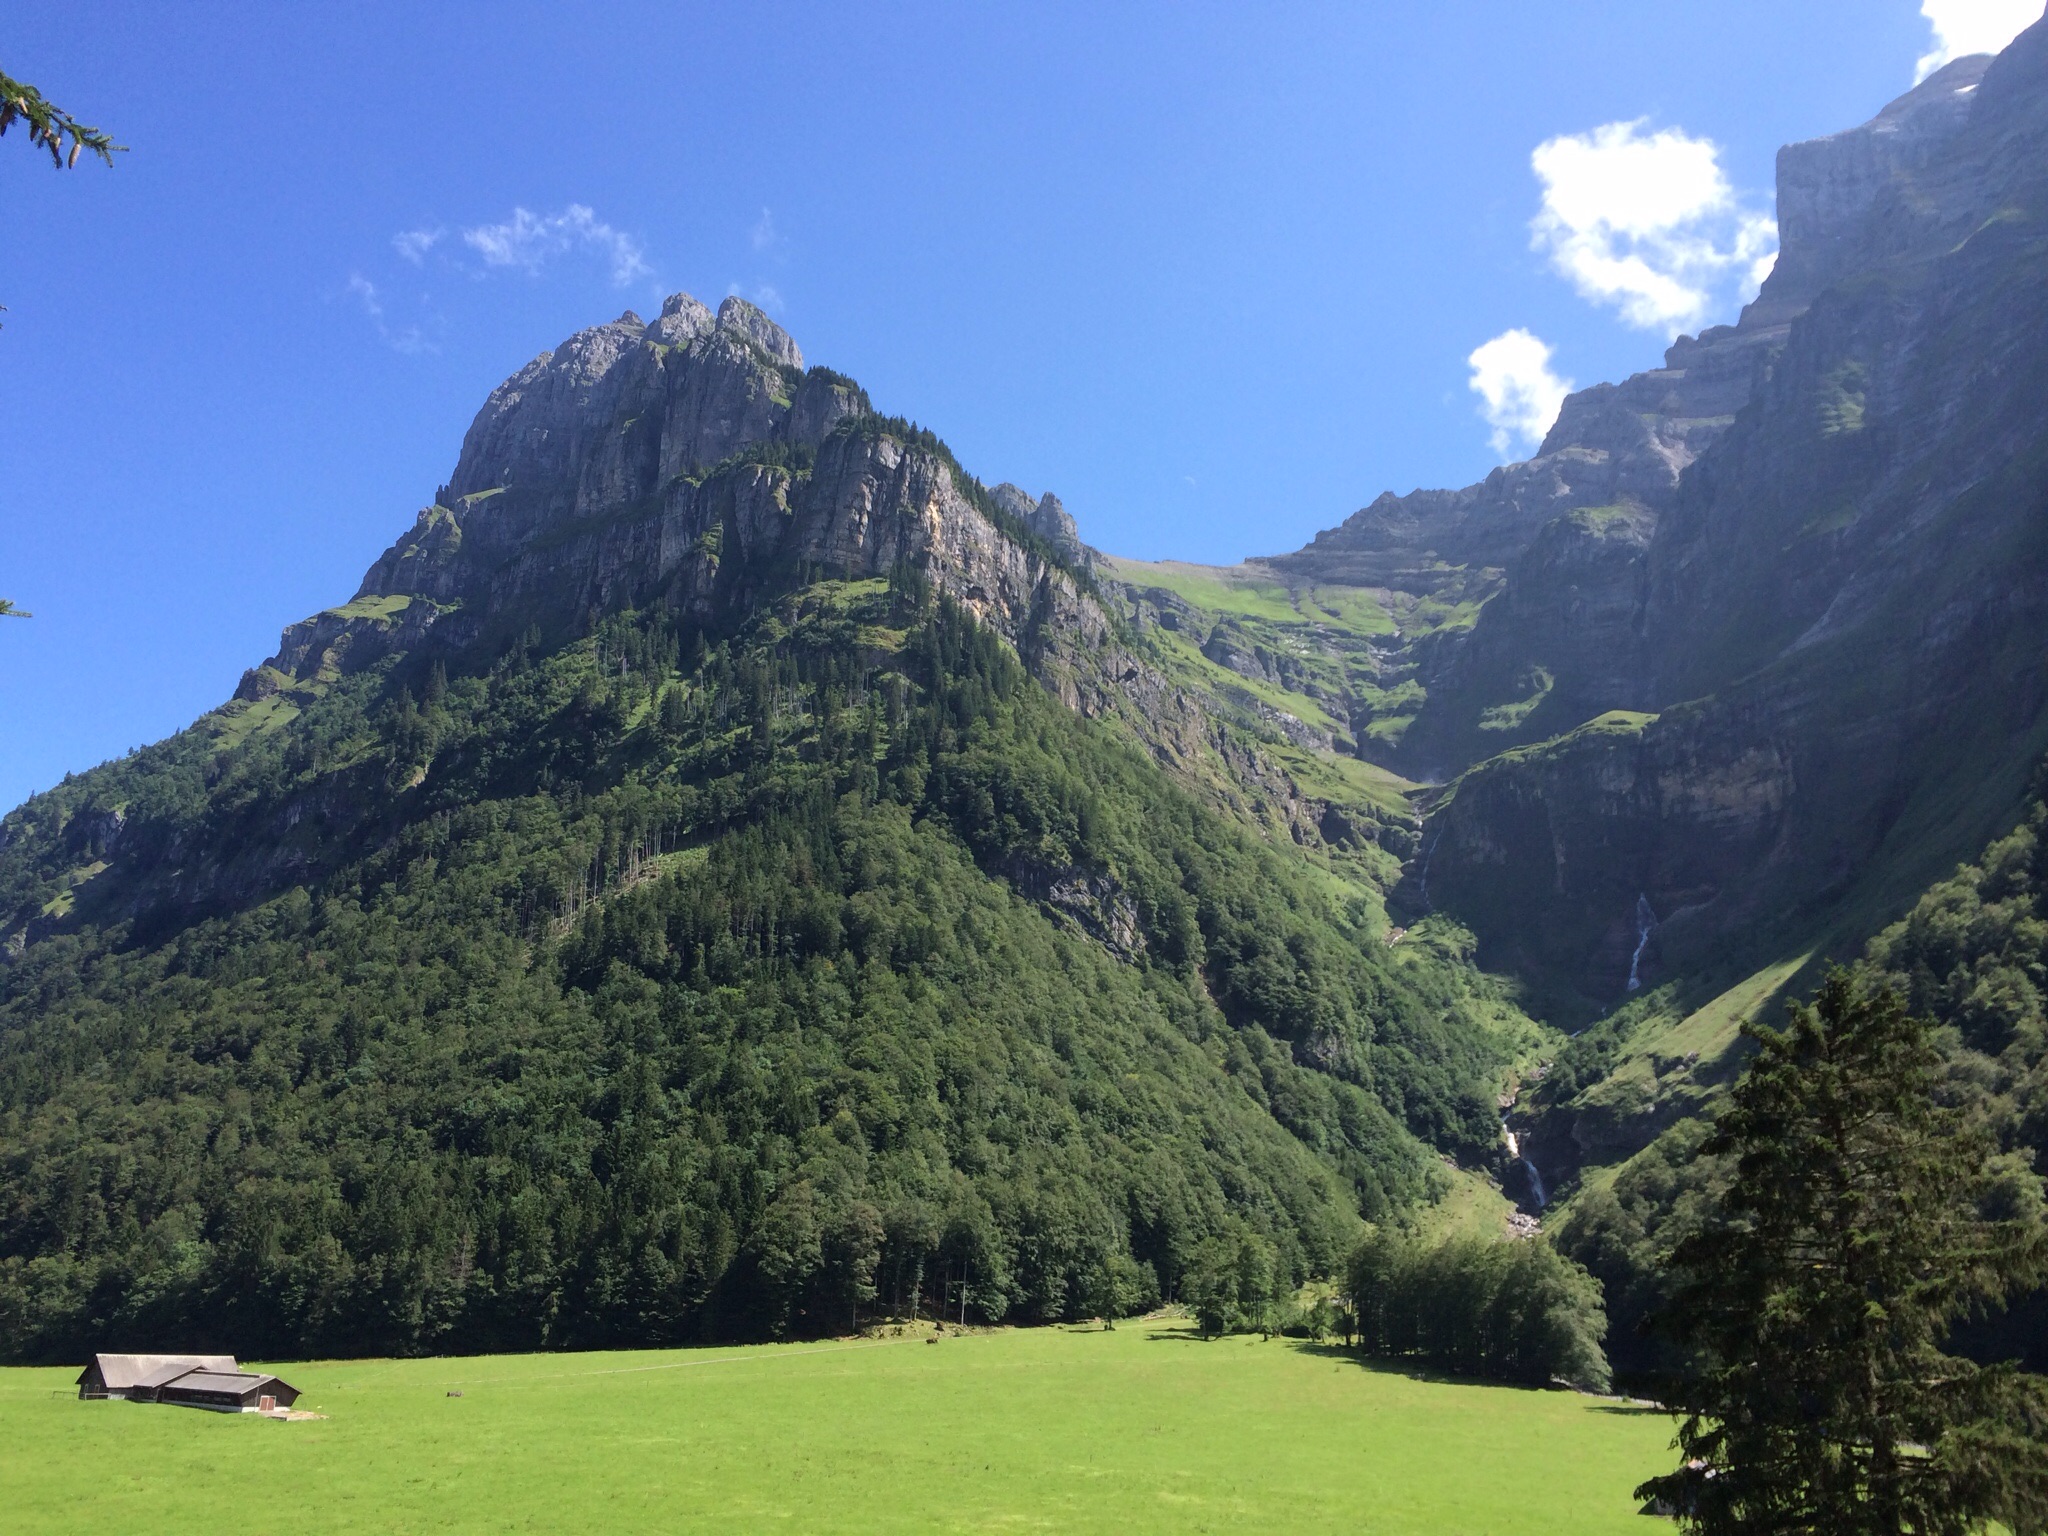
1646, 924
1428, 854
1538, 1196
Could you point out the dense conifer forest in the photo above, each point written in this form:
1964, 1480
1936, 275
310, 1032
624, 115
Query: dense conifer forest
669, 985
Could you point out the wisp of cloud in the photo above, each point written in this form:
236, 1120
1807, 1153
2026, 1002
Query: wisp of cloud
407, 339
527, 240
413, 244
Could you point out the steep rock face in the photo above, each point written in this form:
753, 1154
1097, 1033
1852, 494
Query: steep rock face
1904, 388
688, 461
1554, 552
738, 316
1047, 517
1850, 584
1546, 554
1828, 188
1554, 851
619, 409
1561, 643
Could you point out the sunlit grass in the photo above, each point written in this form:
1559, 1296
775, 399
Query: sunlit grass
1143, 1428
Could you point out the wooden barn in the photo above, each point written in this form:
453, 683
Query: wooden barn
126, 1375
189, 1381
228, 1392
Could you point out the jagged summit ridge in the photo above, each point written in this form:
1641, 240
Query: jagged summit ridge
554, 426
692, 461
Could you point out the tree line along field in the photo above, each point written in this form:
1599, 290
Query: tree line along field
1146, 1427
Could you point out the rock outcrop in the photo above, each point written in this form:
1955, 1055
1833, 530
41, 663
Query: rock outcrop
1829, 188
1550, 551
1612, 444
1046, 517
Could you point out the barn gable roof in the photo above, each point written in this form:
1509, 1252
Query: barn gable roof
123, 1373
219, 1381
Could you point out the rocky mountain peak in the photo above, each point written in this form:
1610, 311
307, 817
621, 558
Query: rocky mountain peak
1047, 517
682, 321
743, 319
690, 463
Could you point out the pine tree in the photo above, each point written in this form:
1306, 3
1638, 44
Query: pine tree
1818, 1300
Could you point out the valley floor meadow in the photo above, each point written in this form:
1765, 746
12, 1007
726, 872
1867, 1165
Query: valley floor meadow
1144, 1428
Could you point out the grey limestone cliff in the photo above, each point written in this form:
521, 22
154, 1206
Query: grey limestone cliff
1838, 609
692, 461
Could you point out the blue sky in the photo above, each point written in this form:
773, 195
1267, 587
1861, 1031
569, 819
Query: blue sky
1213, 273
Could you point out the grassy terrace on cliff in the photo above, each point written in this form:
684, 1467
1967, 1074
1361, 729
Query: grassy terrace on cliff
1321, 660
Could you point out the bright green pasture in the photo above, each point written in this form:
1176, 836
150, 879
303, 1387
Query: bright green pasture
1218, 588
1142, 1429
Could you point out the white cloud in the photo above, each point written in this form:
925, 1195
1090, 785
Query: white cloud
1519, 395
1648, 223
413, 244
1973, 26
366, 291
765, 297
763, 233
527, 240
407, 339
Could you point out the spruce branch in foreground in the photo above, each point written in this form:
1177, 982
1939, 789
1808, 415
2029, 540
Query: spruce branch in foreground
50, 125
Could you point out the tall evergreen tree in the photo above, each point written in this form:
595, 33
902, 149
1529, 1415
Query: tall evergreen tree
1818, 1301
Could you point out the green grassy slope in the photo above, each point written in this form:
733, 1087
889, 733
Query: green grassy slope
1140, 1429
1322, 653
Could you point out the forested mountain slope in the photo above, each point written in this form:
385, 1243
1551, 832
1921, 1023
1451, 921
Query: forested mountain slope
723, 872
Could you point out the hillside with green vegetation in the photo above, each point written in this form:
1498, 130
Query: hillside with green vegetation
679, 983
1146, 1428
1327, 663
1971, 956
729, 874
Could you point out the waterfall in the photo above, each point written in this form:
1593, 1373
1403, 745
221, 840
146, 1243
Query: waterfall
1646, 924
1428, 854
1538, 1196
